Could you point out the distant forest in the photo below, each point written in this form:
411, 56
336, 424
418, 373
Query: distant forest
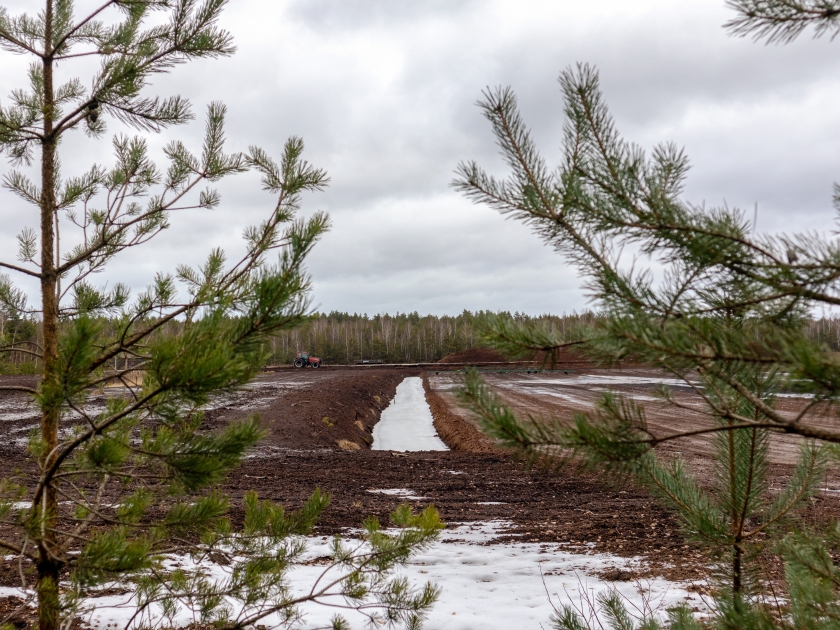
344, 338
410, 337
401, 338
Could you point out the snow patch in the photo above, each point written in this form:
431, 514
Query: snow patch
275, 384
15, 410
399, 492
603, 379
549, 392
485, 584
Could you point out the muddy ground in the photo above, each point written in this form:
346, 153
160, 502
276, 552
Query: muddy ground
319, 426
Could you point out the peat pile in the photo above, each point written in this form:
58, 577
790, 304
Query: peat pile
458, 433
315, 409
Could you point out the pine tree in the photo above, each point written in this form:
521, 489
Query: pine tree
114, 495
728, 319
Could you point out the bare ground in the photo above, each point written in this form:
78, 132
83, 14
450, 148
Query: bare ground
319, 426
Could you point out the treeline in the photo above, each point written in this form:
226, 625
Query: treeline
825, 331
20, 338
409, 337
401, 338
344, 338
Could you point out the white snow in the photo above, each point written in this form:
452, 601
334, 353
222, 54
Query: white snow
6, 591
18, 409
485, 584
280, 385
599, 379
399, 492
407, 423
549, 392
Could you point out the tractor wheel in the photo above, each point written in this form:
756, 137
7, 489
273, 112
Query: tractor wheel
316, 364
298, 363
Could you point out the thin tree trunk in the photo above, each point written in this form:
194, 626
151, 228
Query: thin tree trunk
48, 566
736, 548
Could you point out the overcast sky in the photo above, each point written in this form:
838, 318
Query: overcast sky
383, 93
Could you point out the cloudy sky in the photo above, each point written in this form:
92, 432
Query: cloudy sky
383, 93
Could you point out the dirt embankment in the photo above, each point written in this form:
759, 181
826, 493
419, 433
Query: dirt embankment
456, 432
319, 409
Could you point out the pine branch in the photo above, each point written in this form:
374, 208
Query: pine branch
783, 21
56, 459
37, 355
656, 441
20, 551
80, 25
19, 388
22, 270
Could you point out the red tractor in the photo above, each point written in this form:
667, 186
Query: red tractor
304, 360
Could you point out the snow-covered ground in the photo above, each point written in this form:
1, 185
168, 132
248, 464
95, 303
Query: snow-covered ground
407, 423
599, 379
503, 586
485, 584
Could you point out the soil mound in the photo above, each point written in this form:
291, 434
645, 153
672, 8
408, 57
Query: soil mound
456, 432
319, 408
476, 355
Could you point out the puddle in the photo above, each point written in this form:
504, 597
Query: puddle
407, 423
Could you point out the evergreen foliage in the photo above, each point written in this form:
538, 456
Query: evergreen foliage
114, 495
730, 318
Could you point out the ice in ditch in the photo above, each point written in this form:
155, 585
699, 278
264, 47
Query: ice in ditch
407, 424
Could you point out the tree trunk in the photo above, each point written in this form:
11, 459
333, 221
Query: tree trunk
48, 566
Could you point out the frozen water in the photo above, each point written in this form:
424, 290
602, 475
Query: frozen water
407, 423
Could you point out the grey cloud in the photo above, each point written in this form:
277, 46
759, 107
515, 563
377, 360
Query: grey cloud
384, 92
343, 14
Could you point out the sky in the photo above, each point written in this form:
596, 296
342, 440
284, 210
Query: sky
384, 93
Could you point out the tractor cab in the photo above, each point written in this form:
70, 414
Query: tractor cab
303, 359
